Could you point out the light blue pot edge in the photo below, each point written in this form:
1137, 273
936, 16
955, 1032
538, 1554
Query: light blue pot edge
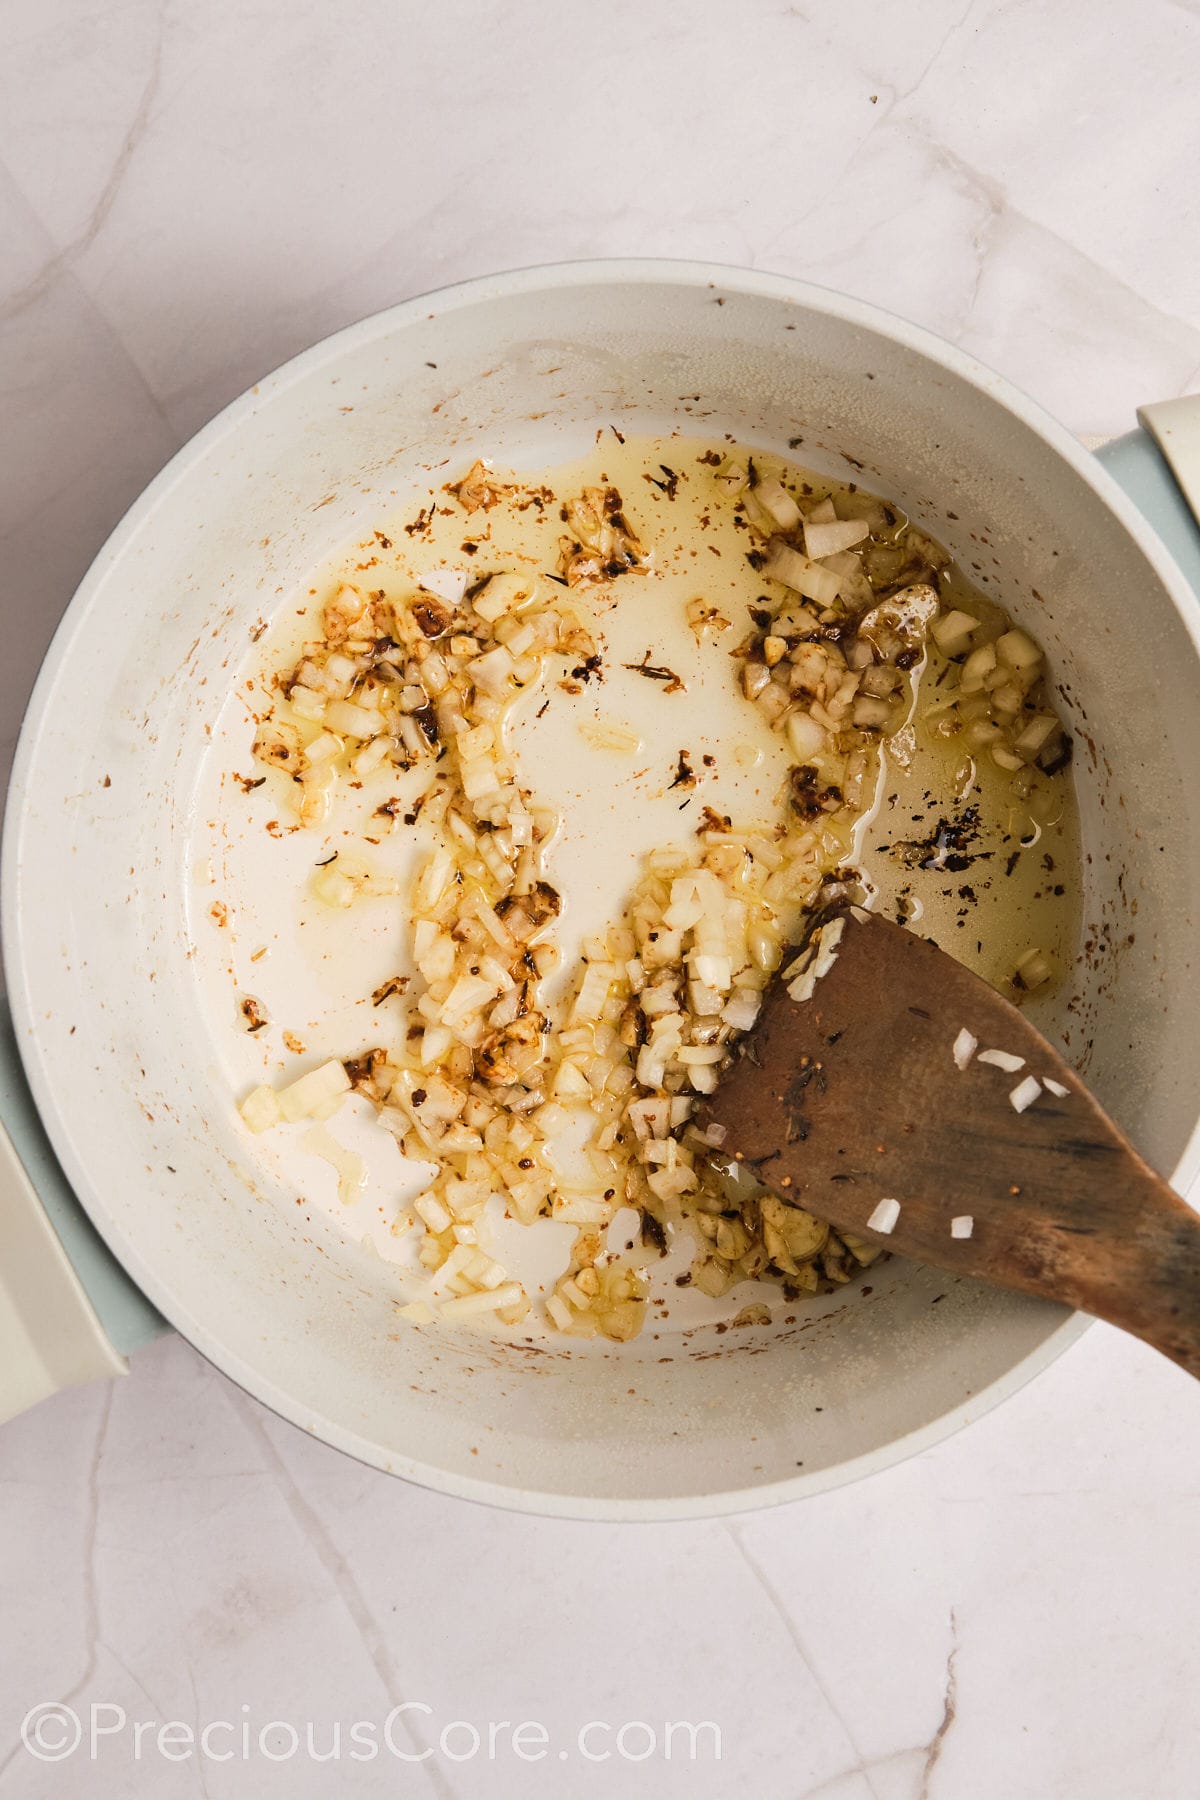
1136, 464
128, 1318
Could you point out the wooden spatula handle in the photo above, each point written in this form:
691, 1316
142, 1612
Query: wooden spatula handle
1147, 1280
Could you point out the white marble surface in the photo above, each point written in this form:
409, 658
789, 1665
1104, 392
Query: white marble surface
188, 194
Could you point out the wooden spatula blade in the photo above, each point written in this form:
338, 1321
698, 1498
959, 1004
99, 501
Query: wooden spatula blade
855, 1096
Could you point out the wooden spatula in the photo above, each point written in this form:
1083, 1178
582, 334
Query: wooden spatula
882, 1086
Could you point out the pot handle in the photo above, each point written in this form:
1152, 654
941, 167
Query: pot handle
1159, 469
1175, 427
50, 1337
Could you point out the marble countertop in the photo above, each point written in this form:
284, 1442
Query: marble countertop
190, 194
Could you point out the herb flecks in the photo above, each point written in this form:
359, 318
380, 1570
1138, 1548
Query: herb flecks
685, 775
253, 1014
673, 683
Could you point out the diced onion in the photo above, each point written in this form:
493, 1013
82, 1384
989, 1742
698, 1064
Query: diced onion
449, 584
1033, 739
884, 1217
779, 505
1002, 1059
559, 1312
1025, 1093
806, 738
705, 1081
307, 704
817, 962
1017, 651
976, 669
350, 720
576, 1209
741, 1009
469, 1306
505, 593
1033, 969
606, 734
570, 1083
300, 1099
323, 748
592, 993
871, 713
953, 632
795, 571
334, 887
260, 1109
431, 1212
828, 539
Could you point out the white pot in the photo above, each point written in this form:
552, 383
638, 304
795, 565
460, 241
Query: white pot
128, 1036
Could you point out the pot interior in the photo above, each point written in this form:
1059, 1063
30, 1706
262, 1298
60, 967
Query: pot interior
121, 981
